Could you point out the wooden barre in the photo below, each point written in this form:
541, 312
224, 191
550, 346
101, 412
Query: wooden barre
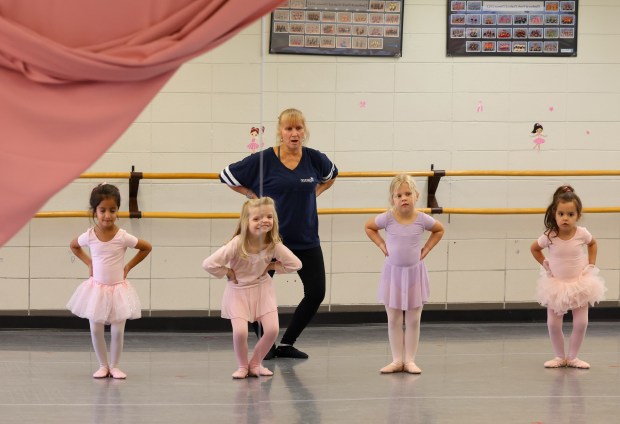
216, 176
462, 173
533, 173
337, 211
433, 207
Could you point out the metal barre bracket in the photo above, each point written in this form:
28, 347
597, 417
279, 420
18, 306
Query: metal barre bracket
431, 190
134, 185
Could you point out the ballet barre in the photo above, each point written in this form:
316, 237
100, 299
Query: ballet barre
434, 178
326, 211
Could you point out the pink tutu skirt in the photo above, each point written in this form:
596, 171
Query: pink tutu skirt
105, 303
249, 303
562, 295
404, 287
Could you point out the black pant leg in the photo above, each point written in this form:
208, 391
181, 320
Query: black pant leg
312, 275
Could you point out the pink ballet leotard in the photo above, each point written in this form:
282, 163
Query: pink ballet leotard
106, 297
253, 295
569, 282
404, 279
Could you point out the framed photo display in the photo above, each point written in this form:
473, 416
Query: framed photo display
338, 27
512, 28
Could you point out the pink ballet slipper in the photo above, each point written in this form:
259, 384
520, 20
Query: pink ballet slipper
392, 367
412, 368
259, 370
240, 374
102, 372
577, 363
117, 374
556, 362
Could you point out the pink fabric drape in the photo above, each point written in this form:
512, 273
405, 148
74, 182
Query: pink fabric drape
74, 74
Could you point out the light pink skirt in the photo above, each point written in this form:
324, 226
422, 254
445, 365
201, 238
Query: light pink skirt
562, 294
404, 287
105, 303
249, 303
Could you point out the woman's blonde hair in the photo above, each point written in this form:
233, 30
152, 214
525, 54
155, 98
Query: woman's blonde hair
271, 239
397, 181
293, 117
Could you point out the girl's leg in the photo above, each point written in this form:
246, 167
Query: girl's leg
554, 325
240, 345
270, 325
580, 325
258, 330
396, 335
412, 338
97, 330
117, 338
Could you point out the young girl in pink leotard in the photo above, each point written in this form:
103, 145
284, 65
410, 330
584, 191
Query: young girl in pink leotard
107, 297
255, 249
404, 287
569, 278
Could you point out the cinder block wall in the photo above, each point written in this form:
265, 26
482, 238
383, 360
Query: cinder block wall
419, 110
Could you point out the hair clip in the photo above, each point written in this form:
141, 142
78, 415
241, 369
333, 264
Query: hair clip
99, 185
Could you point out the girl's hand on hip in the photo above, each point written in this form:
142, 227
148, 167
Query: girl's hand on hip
547, 268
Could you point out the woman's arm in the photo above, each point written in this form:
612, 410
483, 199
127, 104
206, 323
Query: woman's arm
320, 188
245, 191
238, 174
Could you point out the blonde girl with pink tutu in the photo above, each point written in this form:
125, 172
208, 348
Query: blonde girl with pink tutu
569, 279
107, 297
404, 287
255, 251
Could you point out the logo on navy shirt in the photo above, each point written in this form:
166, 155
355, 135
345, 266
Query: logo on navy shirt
307, 180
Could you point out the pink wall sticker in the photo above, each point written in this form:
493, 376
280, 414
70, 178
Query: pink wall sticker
254, 134
539, 137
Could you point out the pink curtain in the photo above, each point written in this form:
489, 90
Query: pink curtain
74, 74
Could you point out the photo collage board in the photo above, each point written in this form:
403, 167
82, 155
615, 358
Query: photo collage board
338, 27
512, 28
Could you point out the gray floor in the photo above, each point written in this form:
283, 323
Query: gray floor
472, 373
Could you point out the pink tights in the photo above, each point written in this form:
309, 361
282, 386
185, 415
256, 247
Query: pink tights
580, 324
404, 343
117, 335
270, 326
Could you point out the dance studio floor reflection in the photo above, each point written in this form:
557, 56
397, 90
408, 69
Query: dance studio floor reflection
472, 373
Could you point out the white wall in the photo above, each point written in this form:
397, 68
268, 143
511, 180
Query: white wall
420, 110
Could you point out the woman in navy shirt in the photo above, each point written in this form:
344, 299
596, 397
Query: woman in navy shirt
294, 176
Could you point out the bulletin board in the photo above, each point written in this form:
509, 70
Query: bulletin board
338, 27
512, 28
